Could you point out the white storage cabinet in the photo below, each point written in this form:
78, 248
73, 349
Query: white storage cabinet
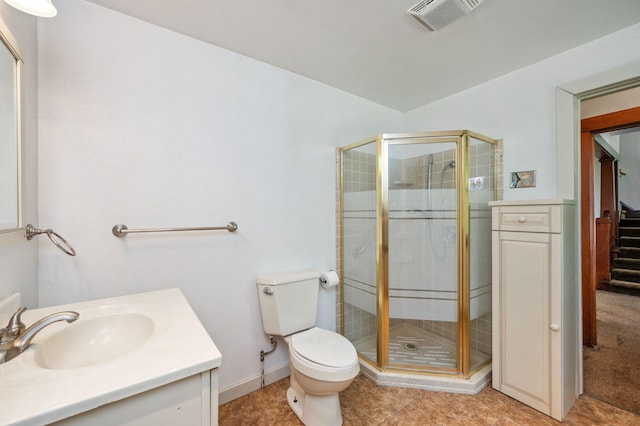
535, 303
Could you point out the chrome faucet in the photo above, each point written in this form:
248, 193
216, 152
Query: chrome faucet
16, 337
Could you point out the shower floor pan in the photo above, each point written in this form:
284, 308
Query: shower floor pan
413, 346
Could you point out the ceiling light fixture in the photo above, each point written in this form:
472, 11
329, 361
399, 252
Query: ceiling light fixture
42, 8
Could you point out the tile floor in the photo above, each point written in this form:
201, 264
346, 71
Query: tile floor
367, 404
429, 348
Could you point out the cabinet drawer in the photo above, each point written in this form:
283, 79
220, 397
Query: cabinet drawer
524, 221
527, 219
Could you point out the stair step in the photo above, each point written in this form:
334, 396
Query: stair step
625, 275
626, 287
626, 263
622, 283
629, 241
630, 222
629, 232
629, 252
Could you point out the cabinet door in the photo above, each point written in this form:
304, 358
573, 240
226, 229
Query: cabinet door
522, 366
184, 402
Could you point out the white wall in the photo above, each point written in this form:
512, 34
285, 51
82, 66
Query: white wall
630, 164
520, 108
146, 127
611, 139
18, 257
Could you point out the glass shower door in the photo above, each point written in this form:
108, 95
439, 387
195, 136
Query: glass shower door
481, 191
423, 254
359, 245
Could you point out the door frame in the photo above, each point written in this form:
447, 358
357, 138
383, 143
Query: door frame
588, 128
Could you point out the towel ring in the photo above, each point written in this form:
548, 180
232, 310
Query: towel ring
55, 238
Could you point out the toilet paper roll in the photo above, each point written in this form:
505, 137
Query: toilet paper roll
329, 279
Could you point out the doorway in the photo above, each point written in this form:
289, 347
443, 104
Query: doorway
590, 127
610, 357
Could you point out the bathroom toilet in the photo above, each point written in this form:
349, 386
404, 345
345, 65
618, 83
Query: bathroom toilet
322, 362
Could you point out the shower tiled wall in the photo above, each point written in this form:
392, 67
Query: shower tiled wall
412, 173
481, 333
359, 171
359, 175
360, 323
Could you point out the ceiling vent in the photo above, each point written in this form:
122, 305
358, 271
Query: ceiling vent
436, 14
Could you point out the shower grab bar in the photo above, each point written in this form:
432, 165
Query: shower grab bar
122, 230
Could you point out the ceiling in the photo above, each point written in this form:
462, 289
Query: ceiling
375, 50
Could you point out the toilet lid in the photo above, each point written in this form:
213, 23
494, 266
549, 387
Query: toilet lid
324, 347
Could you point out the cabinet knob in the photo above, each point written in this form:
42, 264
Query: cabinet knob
522, 219
554, 327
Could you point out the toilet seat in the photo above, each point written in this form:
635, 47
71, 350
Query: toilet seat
323, 355
324, 347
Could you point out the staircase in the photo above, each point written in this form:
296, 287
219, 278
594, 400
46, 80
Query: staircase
625, 275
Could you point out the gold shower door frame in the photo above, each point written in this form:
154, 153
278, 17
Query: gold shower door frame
462, 140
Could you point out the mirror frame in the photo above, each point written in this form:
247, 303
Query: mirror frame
10, 42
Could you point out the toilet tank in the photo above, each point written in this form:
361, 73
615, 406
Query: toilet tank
288, 301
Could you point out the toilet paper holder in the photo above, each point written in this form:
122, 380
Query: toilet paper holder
329, 279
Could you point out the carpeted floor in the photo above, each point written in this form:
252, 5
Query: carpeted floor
611, 371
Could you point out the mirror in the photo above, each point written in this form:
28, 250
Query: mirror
10, 132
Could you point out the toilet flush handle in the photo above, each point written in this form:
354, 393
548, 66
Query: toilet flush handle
267, 291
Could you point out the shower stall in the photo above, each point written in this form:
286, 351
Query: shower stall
415, 251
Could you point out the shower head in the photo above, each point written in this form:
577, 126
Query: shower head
450, 165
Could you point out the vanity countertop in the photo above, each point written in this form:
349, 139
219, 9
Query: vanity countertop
178, 347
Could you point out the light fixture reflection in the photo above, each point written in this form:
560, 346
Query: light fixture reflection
42, 8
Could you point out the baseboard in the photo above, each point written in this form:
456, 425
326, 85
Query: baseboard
240, 389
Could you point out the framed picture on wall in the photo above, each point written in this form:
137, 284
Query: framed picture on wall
526, 179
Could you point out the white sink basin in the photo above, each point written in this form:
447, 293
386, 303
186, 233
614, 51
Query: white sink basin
117, 348
94, 341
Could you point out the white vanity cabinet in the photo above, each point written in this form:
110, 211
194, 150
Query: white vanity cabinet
535, 303
190, 401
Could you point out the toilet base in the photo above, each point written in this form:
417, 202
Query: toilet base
314, 410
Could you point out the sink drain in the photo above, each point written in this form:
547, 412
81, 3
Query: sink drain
411, 346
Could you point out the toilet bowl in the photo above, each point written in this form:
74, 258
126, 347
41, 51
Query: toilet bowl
323, 363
